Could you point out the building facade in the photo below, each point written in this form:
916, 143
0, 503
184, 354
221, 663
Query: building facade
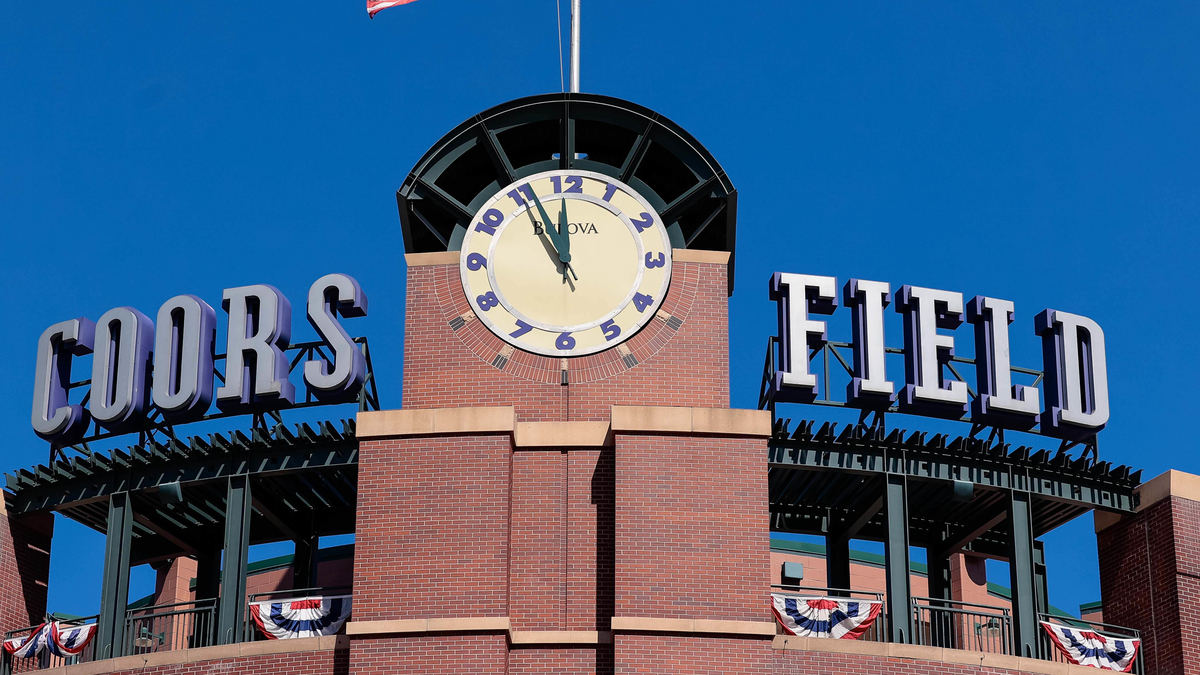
600, 511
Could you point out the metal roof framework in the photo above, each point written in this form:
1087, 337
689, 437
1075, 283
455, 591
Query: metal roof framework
304, 481
672, 170
826, 481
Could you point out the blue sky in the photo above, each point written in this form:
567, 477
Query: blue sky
1041, 153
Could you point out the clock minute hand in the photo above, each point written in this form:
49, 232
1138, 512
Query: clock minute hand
564, 230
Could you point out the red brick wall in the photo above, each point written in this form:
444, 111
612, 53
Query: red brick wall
692, 530
653, 654
324, 662
432, 531
24, 568
1150, 580
689, 367
556, 660
429, 655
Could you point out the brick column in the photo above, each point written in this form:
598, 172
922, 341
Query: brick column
24, 567
692, 540
1150, 571
431, 542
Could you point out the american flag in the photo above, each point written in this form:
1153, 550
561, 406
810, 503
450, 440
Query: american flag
376, 6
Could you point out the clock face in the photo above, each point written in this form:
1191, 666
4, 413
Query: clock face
566, 263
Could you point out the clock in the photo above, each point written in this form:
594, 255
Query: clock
566, 263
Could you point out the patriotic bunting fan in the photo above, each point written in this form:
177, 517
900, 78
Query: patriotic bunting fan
839, 618
303, 617
1088, 648
62, 639
70, 640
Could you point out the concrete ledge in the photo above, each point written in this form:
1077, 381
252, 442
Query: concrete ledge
435, 258
696, 255
202, 654
716, 421
411, 626
562, 434
431, 421
560, 637
1169, 484
694, 626
932, 654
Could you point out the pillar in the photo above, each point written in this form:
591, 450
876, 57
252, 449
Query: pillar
304, 563
1020, 566
837, 561
895, 553
114, 590
230, 609
1150, 571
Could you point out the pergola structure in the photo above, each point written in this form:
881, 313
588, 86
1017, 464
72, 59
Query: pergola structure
201, 497
944, 493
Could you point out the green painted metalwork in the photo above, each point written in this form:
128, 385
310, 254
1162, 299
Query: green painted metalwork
1020, 565
114, 592
230, 612
674, 172
895, 551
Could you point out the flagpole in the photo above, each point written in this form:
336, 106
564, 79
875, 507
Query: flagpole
575, 46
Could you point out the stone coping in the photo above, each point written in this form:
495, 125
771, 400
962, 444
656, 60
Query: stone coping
475, 625
696, 255
677, 255
559, 637
557, 435
435, 258
716, 421
1170, 483
933, 654
432, 421
694, 626
201, 654
594, 434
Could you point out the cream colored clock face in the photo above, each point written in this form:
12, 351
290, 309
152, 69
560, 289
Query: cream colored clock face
585, 281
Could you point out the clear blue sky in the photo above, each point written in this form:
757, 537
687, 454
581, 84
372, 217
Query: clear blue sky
1039, 152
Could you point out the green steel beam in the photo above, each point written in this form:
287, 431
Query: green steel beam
1020, 565
895, 552
114, 591
230, 608
837, 561
986, 472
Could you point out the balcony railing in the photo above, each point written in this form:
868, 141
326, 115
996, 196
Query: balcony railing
162, 628
962, 625
10, 664
1047, 650
878, 630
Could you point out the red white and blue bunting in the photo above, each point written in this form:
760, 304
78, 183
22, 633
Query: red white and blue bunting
62, 639
1088, 648
302, 617
838, 618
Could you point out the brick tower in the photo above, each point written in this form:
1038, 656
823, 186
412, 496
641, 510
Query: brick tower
593, 514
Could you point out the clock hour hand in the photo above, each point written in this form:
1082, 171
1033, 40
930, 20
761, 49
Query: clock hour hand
564, 255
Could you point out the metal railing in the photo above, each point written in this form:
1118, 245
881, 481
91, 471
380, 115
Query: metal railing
878, 630
162, 628
1048, 652
251, 632
962, 625
10, 664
